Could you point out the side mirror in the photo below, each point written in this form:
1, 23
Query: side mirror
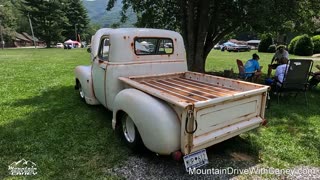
89, 50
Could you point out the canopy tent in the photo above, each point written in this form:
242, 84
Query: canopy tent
74, 44
141, 46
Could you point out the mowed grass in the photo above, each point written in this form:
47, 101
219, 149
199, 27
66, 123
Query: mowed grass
43, 120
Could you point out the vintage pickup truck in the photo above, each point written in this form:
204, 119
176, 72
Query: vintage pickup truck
156, 101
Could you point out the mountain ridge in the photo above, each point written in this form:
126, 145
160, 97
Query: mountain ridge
98, 14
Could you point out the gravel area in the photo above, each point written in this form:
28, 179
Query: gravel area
150, 166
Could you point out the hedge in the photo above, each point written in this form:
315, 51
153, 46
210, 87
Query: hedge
304, 46
316, 43
292, 44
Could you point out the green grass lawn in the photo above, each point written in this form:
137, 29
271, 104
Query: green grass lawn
43, 120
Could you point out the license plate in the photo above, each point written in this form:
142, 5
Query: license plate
196, 159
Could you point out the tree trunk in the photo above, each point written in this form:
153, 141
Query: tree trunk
203, 22
48, 44
190, 45
202, 31
196, 32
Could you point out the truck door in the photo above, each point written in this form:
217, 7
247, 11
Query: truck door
99, 70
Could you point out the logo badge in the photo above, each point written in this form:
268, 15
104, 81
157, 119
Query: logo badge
22, 168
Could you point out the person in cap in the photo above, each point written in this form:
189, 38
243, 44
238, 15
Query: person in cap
252, 65
280, 53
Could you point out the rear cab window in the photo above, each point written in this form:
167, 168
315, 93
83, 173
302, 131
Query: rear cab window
153, 46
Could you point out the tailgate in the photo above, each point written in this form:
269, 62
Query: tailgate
216, 122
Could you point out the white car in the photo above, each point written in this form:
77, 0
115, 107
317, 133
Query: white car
59, 45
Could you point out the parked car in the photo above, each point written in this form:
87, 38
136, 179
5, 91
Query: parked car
59, 45
238, 48
217, 46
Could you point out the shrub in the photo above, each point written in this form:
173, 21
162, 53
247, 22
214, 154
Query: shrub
304, 46
266, 41
316, 43
292, 44
272, 48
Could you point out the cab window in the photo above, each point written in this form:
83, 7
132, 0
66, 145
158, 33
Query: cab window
104, 49
153, 46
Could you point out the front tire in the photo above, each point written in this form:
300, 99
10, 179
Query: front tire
130, 133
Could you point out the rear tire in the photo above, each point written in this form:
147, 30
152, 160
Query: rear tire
130, 133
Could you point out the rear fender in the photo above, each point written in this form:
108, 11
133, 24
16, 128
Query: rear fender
83, 77
157, 123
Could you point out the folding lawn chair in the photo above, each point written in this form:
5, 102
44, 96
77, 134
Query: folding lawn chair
242, 74
296, 78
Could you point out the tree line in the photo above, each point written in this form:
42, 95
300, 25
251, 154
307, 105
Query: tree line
52, 20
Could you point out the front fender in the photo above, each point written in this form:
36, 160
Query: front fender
83, 76
156, 122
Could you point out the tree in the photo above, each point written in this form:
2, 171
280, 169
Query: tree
203, 23
91, 30
47, 18
266, 42
8, 20
77, 20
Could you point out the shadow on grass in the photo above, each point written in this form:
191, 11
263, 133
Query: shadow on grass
292, 135
62, 135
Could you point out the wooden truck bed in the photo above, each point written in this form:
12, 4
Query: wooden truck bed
189, 87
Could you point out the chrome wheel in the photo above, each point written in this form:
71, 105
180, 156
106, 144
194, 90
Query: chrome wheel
128, 128
81, 93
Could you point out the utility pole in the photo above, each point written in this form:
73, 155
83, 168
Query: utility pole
34, 43
2, 42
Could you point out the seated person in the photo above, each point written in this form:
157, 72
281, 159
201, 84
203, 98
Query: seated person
314, 81
252, 68
281, 70
280, 53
